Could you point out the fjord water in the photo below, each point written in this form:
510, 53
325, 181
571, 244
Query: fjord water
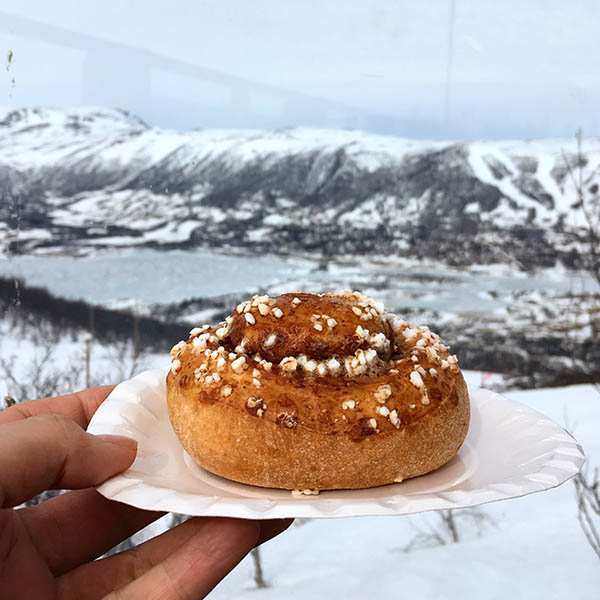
149, 276
156, 277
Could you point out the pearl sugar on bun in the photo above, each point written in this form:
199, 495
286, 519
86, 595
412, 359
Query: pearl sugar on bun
316, 392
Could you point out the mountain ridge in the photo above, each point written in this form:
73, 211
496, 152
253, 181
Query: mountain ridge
97, 178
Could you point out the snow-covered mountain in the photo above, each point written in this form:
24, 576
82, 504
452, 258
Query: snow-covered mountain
94, 177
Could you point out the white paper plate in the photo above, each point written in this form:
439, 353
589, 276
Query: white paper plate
510, 451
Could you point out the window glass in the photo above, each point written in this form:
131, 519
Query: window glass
161, 164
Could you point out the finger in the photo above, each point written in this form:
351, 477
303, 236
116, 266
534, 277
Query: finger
78, 407
272, 527
185, 562
80, 526
118, 570
52, 452
195, 568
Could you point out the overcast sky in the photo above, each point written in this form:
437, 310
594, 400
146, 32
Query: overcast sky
484, 69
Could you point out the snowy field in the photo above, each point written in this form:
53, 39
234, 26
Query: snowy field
529, 548
40, 361
534, 550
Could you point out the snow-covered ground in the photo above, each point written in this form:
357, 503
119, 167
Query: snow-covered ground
530, 548
40, 361
536, 550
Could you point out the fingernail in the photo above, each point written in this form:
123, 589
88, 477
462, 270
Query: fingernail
120, 440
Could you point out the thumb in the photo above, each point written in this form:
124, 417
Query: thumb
52, 452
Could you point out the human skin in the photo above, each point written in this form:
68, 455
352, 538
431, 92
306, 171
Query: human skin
48, 550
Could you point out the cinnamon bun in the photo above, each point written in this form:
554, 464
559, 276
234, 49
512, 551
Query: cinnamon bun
316, 392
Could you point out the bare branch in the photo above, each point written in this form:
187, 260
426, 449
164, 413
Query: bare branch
258, 572
448, 527
588, 499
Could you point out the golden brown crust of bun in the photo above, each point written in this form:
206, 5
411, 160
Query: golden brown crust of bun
295, 330
273, 401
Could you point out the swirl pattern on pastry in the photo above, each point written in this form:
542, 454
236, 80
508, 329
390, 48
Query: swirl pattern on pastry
307, 391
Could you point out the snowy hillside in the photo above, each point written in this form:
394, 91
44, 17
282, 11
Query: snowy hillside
530, 548
95, 177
